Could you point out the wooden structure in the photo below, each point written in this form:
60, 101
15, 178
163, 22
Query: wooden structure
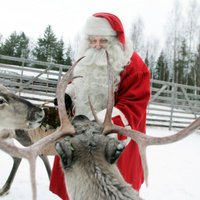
172, 105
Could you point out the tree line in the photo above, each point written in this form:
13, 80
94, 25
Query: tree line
48, 48
176, 60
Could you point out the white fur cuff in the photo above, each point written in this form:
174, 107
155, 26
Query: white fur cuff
116, 112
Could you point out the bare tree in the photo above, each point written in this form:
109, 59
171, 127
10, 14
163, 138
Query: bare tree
192, 22
152, 47
137, 35
173, 41
192, 32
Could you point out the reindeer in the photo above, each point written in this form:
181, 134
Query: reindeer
87, 154
18, 114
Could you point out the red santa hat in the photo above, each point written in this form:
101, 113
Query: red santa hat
105, 24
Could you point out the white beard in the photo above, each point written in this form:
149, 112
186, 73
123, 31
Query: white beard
93, 85
94, 81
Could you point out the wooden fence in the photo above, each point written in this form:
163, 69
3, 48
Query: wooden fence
171, 105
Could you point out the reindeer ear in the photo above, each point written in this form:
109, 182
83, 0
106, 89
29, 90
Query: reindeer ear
113, 150
80, 118
65, 152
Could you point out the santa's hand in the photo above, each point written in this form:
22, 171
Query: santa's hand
68, 101
116, 112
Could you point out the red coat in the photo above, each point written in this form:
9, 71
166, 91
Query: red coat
132, 99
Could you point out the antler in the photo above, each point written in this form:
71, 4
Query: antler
141, 139
66, 128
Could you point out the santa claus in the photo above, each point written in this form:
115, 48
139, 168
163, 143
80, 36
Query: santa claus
104, 31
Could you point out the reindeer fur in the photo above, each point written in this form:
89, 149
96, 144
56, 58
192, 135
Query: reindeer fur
88, 161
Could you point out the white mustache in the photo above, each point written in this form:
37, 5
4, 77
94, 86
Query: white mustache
95, 57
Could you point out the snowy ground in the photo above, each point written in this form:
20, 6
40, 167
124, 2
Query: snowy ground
174, 172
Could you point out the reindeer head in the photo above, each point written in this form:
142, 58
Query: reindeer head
17, 113
88, 145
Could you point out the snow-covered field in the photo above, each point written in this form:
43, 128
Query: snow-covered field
174, 172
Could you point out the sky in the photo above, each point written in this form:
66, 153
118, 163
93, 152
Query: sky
173, 172
68, 17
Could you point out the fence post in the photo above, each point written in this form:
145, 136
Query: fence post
173, 99
21, 76
60, 72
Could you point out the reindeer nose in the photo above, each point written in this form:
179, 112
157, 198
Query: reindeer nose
39, 115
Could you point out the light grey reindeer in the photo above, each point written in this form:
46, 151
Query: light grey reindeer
17, 114
87, 154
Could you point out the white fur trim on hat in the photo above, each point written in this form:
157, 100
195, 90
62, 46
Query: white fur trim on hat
98, 26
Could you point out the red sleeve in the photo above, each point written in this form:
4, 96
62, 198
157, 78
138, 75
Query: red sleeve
134, 92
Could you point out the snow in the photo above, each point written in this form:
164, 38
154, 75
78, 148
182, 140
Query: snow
173, 172
173, 169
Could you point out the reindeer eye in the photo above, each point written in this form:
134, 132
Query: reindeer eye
2, 101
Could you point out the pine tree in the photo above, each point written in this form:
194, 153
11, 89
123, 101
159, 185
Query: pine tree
150, 62
45, 48
194, 76
162, 70
59, 52
49, 49
68, 60
146, 60
1, 42
182, 64
16, 45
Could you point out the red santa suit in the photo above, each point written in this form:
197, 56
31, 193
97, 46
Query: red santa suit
131, 99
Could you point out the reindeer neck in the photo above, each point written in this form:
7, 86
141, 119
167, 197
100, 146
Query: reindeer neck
98, 184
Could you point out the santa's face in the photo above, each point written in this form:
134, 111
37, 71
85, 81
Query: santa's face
93, 70
98, 42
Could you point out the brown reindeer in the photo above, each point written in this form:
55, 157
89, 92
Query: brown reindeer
87, 154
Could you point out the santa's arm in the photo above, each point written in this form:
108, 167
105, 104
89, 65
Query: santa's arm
131, 99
